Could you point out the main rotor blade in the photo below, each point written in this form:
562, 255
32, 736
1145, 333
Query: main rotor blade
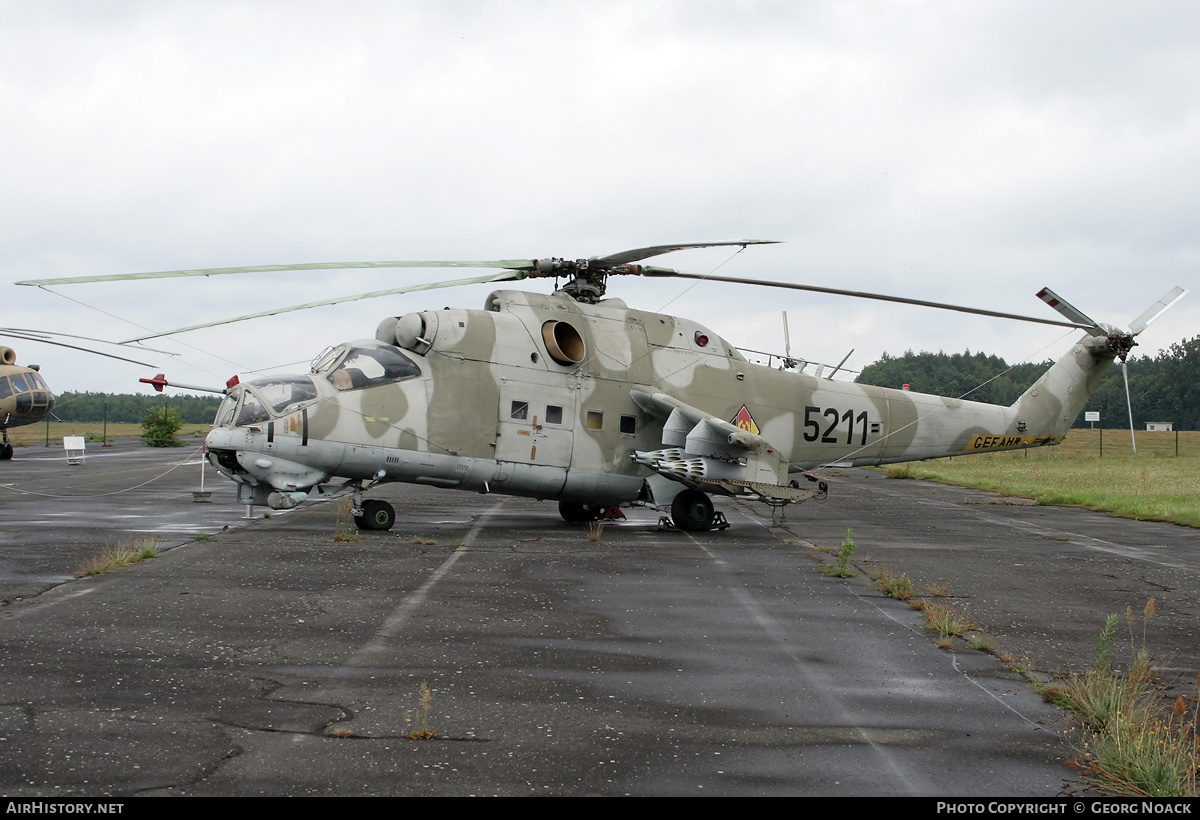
625, 257
37, 337
507, 264
49, 338
474, 280
666, 272
1157, 309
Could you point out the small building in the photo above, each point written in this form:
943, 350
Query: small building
1152, 426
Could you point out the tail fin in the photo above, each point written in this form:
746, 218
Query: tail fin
1055, 400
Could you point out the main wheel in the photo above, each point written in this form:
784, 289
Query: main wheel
693, 511
6, 451
377, 515
576, 512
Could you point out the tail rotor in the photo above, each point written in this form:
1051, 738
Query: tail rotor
1121, 342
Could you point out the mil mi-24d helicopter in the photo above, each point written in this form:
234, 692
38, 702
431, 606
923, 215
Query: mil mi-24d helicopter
579, 398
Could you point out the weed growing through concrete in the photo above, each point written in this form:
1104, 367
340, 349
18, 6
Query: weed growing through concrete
1104, 647
982, 641
895, 586
114, 556
204, 536
595, 530
842, 568
1018, 665
946, 620
1126, 745
422, 731
345, 530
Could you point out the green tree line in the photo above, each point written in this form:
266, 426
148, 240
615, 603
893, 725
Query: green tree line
132, 408
1163, 387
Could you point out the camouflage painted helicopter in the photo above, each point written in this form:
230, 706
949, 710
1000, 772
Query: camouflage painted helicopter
25, 398
578, 398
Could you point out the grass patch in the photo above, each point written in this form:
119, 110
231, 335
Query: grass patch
115, 556
892, 585
1154, 485
944, 619
204, 536
1129, 745
937, 590
93, 431
981, 641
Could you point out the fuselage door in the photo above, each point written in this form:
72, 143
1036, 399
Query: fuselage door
536, 424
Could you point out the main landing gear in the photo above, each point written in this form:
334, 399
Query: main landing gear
6, 448
376, 515
691, 511
575, 512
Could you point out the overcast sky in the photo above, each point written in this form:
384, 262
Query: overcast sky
967, 152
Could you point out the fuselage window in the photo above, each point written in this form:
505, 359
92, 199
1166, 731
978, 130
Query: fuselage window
5, 387
520, 410
595, 420
553, 414
629, 425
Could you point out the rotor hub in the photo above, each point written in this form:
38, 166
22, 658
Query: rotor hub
587, 279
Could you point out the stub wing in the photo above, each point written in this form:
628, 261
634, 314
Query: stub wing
705, 452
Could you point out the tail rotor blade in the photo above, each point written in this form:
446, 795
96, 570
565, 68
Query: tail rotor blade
1157, 309
1072, 313
1129, 405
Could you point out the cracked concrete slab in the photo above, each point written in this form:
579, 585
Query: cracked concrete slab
274, 661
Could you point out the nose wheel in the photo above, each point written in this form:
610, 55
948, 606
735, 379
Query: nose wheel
6, 448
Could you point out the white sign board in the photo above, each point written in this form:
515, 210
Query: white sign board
1091, 415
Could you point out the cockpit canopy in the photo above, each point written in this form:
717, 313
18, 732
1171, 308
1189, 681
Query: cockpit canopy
351, 366
281, 394
32, 394
356, 365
